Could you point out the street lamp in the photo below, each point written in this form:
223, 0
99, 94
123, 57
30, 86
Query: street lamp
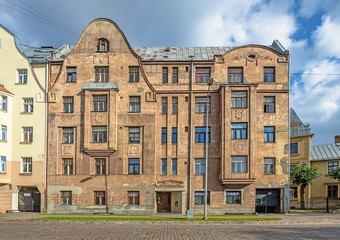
209, 83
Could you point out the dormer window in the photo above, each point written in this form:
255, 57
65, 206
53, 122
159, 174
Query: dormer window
103, 45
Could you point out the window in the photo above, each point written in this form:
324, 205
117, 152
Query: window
174, 166
238, 99
26, 165
293, 192
293, 148
27, 134
238, 130
164, 166
22, 76
294, 131
99, 134
103, 45
292, 166
199, 197
68, 166
202, 75
3, 133
332, 191
269, 104
268, 74
133, 198
269, 134
71, 75
174, 135
100, 165
269, 165
200, 133
174, 75
134, 134
134, 166
4, 103
165, 75
28, 105
68, 104
66, 197
235, 75
102, 74
164, 105
238, 164
332, 166
133, 74
164, 135
233, 197
201, 104
174, 105
68, 135
3, 164
134, 104
100, 103
99, 198
199, 166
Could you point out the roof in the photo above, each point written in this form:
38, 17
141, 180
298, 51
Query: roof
325, 152
3, 89
304, 129
35, 54
100, 85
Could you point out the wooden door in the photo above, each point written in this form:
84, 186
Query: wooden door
163, 202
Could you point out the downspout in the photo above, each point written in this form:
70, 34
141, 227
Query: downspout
190, 132
289, 109
48, 65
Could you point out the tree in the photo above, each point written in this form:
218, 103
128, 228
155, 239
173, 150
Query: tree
302, 176
335, 174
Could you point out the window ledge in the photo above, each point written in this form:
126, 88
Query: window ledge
67, 143
133, 112
26, 142
25, 174
20, 83
98, 142
3, 141
99, 111
269, 112
4, 111
2, 173
26, 113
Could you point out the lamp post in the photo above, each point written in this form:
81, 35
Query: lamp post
209, 83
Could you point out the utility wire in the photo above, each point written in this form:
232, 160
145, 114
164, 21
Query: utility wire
317, 74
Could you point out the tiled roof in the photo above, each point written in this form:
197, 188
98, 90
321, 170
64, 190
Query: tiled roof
325, 152
100, 85
3, 89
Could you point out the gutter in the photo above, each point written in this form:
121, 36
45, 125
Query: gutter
46, 130
190, 133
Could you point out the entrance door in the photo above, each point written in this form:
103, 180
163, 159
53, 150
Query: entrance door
29, 199
268, 200
163, 202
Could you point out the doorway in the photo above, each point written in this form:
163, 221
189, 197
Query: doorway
29, 199
267, 200
163, 201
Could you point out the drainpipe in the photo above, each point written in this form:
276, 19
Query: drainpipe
190, 132
46, 132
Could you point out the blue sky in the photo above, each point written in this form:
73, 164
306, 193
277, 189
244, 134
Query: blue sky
309, 29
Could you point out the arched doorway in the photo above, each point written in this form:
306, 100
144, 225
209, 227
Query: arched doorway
29, 199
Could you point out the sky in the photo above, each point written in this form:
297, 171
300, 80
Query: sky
309, 29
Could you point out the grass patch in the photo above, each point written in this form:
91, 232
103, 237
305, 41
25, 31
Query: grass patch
228, 215
310, 210
91, 214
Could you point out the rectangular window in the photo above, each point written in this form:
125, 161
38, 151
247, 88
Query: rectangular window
174, 135
99, 198
134, 104
102, 74
202, 75
164, 135
174, 75
235, 75
3, 164
294, 131
100, 103
268, 165
68, 136
238, 99
68, 166
199, 197
71, 75
238, 130
293, 148
133, 198
100, 165
202, 104
28, 105
269, 104
3, 133
68, 104
22, 76
269, 134
174, 105
332, 191
164, 104
27, 134
134, 166
26, 165
174, 166
164, 166
233, 197
238, 164
199, 166
200, 133
133, 74
332, 166
165, 75
4, 103
66, 197
99, 134
293, 192
134, 134
268, 74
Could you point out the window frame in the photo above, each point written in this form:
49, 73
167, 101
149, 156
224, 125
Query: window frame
99, 103
293, 191
331, 165
174, 135
101, 74
199, 168
238, 166
232, 75
22, 76
202, 74
200, 195
174, 105
239, 133
200, 135
71, 74
26, 163
100, 134
332, 191
165, 74
134, 136
65, 197
268, 134
175, 75
67, 164
103, 42
135, 166
268, 171
3, 133
101, 195
267, 75
134, 196
233, 200
164, 135
4, 103
68, 104
27, 135
100, 166
134, 106
174, 170
133, 74
267, 105
68, 135
164, 166
164, 105
28, 105
3, 164
201, 104
239, 99
294, 148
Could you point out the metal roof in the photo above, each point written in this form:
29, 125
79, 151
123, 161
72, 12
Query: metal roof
36, 55
100, 85
325, 152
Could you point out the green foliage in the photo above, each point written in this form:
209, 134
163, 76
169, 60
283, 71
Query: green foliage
335, 174
304, 175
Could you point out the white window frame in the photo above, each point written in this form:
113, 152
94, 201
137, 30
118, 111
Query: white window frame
6, 103
232, 190
28, 164
3, 131
21, 76
29, 103
29, 137
3, 164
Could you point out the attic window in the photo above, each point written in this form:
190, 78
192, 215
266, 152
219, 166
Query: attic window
103, 45
252, 56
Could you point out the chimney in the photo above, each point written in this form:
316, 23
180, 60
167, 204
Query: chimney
337, 139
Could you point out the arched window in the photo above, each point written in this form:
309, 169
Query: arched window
103, 45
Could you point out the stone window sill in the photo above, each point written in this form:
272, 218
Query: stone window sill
25, 174
26, 142
26, 113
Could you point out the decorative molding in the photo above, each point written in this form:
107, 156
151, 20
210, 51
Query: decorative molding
170, 183
239, 114
239, 147
99, 118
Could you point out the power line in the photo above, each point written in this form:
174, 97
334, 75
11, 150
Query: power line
317, 74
